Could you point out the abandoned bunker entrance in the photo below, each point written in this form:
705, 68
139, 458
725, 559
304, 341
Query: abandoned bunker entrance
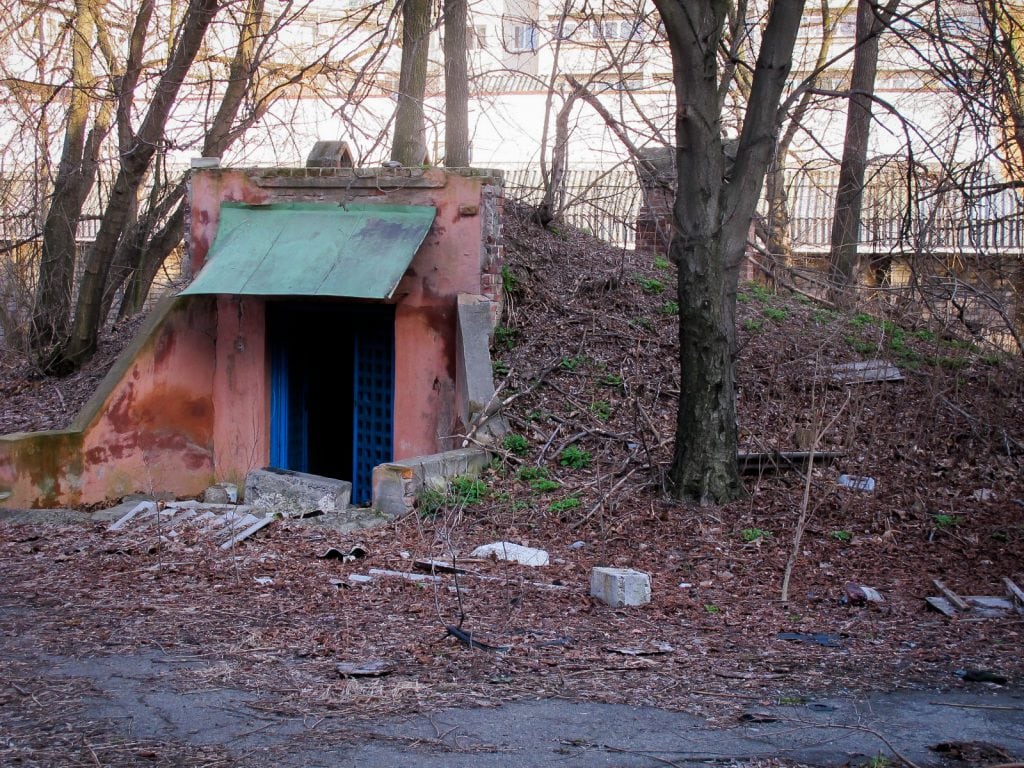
331, 389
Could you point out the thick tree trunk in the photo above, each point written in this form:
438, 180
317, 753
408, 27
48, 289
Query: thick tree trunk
843, 260
135, 163
409, 146
75, 177
712, 217
456, 85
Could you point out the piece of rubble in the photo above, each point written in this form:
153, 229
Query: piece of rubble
375, 668
504, 550
857, 483
865, 372
620, 586
221, 493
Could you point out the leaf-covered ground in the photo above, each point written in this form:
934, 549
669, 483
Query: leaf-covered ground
586, 360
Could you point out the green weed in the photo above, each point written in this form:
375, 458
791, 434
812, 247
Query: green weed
529, 474
649, 284
751, 535
601, 409
572, 363
575, 457
660, 262
669, 308
505, 337
752, 325
544, 485
944, 521
467, 490
843, 536
499, 368
775, 313
611, 380
564, 505
516, 444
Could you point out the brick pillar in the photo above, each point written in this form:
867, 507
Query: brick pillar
656, 170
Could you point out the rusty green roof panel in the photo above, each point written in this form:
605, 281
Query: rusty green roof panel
312, 249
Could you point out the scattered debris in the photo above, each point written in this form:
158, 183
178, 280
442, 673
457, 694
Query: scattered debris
356, 553
984, 494
377, 668
982, 676
263, 581
857, 483
578, 545
858, 594
620, 586
816, 638
403, 575
504, 550
221, 493
651, 650
972, 751
231, 524
758, 717
437, 566
763, 462
466, 638
865, 372
359, 578
978, 606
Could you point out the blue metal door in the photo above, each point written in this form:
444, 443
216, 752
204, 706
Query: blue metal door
373, 403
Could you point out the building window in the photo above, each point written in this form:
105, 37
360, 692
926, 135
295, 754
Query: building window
615, 29
524, 37
476, 37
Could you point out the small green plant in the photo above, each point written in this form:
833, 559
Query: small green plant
777, 314
824, 316
759, 292
879, 761
430, 501
500, 368
742, 297
861, 320
924, 335
791, 701
751, 535
843, 536
752, 325
711, 608
529, 474
509, 282
505, 337
669, 308
645, 322
601, 409
660, 262
564, 505
543, 485
611, 380
861, 346
944, 521
572, 363
575, 457
536, 415
650, 284
516, 444
467, 490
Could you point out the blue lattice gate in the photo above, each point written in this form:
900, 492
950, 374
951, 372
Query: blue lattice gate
373, 404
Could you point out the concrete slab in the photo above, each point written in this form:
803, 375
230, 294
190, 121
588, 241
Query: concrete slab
294, 494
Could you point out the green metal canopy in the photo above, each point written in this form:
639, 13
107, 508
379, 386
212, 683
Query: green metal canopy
312, 249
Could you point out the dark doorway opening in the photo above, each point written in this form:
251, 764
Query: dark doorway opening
332, 389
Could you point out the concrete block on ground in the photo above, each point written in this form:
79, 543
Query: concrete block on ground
221, 493
294, 494
620, 586
397, 484
504, 550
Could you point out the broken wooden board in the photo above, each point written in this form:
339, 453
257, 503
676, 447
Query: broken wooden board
865, 372
756, 463
979, 606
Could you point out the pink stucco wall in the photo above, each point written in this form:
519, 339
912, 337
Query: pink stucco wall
188, 404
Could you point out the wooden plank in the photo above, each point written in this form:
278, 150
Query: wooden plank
260, 523
1015, 592
942, 605
753, 462
865, 372
955, 600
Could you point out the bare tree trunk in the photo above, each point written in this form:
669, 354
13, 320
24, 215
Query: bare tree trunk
75, 177
135, 162
843, 261
712, 218
139, 257
409, 146
456, 85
